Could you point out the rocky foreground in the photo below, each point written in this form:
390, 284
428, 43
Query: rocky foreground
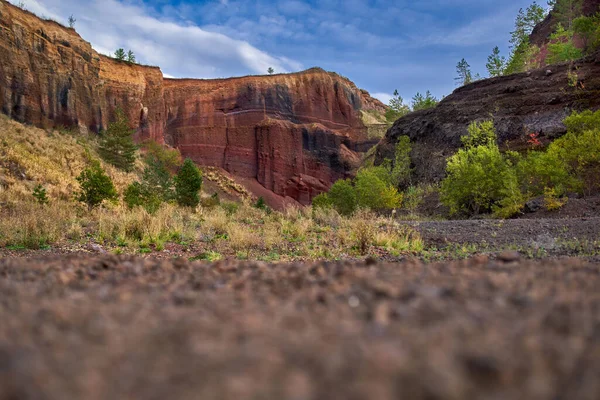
120, 327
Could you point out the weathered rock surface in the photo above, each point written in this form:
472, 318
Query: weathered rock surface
519, 104
295, 133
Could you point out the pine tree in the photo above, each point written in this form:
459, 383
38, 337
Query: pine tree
120, 54
397, 108
496, 63
463, 69
130, 57
72, 21
96, 186
420, 102
188, 183
270, 70
117, 146
566, 11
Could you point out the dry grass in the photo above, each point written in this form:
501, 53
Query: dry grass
31, 156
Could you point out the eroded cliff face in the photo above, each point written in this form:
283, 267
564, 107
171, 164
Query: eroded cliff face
519, 104
295, 133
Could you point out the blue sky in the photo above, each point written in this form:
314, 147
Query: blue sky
381, 45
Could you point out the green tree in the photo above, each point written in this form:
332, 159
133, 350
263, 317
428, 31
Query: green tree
401, 171
96, 186
522, 52
116, 145
420, 102
188, 183
480, 134
496, 63
561, 47
39, 193
463, 69
525, 22
343, 197
588, 29
397, 108
566, 11
157, 179
72, 21
271, 71
120, 54
168, 157
130, 57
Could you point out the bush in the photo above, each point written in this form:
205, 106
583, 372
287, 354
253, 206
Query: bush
322, 201
343, 197
188, 183
169, 158
157, 180
96, 186
138, 194
39, 193
116, 146
480, 178
373, 192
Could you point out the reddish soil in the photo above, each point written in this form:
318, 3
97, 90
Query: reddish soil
119, 327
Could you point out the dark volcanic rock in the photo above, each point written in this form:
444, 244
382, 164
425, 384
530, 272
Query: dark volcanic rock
519, 104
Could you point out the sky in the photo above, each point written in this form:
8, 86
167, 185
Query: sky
381, 45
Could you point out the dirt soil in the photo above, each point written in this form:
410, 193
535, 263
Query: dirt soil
118, 327
550, 234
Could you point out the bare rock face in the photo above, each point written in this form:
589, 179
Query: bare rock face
519, 104
295, 133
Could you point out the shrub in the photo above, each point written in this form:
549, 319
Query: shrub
362, 230
96, 186
157, 180
343, 197
39, 193
188, 183
413, 197
321, 201
138, 194
373, 192
479, 177
169, 158
116, 146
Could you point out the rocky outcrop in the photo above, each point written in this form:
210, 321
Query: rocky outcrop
295, 133
519, 104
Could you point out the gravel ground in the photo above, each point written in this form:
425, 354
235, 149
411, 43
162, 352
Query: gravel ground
108, 327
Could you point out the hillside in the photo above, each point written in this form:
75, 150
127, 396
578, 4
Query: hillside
294, 134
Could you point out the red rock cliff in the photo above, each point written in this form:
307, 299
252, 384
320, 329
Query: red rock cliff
295, 133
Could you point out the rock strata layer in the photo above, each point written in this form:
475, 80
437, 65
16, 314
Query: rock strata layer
294, 133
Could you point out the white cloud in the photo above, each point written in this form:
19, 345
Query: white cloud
180, 50
383, 97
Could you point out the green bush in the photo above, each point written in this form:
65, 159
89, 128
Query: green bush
480, 178
321, 201
96, 186
39, 193
188, 183
138, 194
343, 197
373, 190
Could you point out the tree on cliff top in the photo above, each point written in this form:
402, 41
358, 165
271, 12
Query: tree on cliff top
72, 21
117, 146
463, 69
496, 63
270, 70
566, 11
130, 57
120, 54
420, 102
397, 108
